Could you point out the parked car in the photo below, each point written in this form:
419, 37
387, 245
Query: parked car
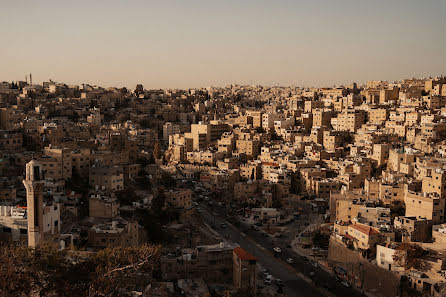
279, 282
223, 225
315, 265
199, 210
277, 249
268, 279
290, 260
346, 284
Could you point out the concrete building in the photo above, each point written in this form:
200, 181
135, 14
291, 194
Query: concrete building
244, 271
103, 205
116, 233
179, 198
425, 206
384, 257
110, 178
170, 129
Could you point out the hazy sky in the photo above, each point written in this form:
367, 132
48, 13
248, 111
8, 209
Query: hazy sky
198, 43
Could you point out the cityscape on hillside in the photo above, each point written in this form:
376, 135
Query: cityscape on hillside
243, 190
223, 148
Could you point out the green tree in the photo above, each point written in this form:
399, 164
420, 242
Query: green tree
157, 151
397, 208
44, 271
409, 256
139, 90
158, 201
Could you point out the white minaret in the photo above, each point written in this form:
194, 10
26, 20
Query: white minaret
34, 197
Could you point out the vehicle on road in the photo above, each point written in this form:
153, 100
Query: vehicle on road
346, 284
199, 210
223, 225
195, 203
279, 282
315, 265
268, 279
290, 260
277, 249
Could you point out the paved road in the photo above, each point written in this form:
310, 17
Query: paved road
294, 284
260, 246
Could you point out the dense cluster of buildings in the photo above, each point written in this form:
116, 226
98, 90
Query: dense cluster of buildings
371, 159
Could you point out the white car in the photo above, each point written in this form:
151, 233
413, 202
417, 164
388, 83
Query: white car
277, 249
290, 260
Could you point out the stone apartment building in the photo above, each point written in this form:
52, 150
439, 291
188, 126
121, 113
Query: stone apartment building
425, 206
213, 263
110, 178
179, 198
116, 233
11, 141
244, 270
103, 205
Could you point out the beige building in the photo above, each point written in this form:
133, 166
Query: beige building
321, 117
213, 263
384, 257
250, 148
117, 233
378, 115
110, 178
244, 270
349, 120
180, 198
268, 120
413, 229
387, 95
103, 205
435, 183
380, 153
425, 206
364, 237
